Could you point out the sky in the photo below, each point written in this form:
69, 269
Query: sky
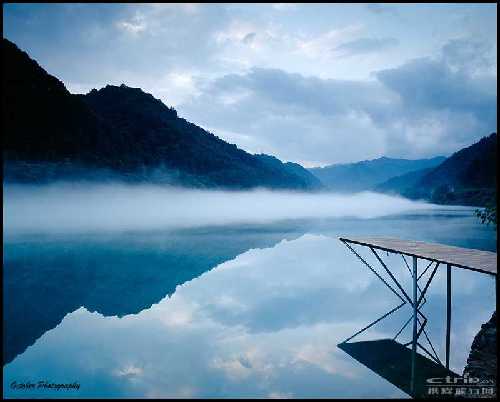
315, 84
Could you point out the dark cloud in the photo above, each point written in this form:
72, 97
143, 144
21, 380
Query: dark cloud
448, 91
298, 118
429, 84
365, 45
422, 108
248, 39
204, 59
112, 43
468, 54
281, 91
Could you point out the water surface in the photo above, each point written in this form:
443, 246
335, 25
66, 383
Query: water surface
244, 310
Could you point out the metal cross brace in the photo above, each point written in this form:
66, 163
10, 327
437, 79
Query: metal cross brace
405, 299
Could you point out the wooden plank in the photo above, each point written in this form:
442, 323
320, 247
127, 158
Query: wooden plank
467, 258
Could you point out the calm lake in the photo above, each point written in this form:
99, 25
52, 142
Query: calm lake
242, 310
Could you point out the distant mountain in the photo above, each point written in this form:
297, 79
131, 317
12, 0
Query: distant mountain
402, 183
298, 170
366, 175
468, 177
119, 132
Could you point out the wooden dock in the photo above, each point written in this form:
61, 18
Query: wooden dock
467, 258
406, 368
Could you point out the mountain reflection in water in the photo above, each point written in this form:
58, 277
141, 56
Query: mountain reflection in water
235, 311
114, 275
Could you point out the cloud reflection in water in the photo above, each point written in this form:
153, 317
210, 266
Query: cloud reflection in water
265, 323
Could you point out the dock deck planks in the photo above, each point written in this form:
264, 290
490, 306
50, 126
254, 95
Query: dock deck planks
467, 258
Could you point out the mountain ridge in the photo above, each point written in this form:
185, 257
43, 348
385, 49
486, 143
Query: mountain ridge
124, 133
367, 174
123, 130
468, 177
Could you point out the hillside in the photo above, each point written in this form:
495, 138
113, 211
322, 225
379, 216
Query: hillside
402, 183
366, 175
118, 132
468, 177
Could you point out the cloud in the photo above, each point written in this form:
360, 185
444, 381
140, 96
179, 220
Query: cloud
295, 117
317, 46
427, 84
242, 43
249, 37
189, 8
421, 108
470, 55
284, 6
136, 44
134, 25
312, 87
175, 87
445, 103
365, 45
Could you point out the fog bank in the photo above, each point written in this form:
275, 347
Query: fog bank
70, 207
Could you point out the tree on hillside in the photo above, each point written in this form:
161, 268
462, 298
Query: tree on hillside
488, 214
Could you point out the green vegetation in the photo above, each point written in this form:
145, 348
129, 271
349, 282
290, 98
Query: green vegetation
468, 177
488, 215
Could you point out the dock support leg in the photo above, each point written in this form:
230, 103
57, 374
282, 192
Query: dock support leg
414, 343
448, 313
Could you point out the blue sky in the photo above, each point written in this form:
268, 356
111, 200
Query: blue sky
315, 84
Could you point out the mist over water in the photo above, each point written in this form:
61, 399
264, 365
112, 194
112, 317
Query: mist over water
124, 305
78, 207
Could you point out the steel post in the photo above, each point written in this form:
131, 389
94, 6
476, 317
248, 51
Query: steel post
414, 344
448, 313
